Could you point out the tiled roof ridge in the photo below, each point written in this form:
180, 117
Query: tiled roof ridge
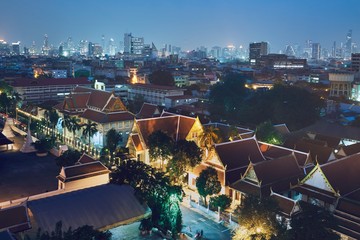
225, 125
176, 114
83, 164
285, 148
238, 140
339, 159
155, 118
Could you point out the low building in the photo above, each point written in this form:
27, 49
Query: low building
174, 101
100, 107
41, 90
83, 175
154, 94
336, 187
178, 127
340, 84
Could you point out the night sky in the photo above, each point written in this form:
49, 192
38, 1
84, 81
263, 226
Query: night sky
185, 23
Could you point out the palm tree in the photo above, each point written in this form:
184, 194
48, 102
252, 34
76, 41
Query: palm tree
210, 136
66, 123
89, 130
52, 117
73, 126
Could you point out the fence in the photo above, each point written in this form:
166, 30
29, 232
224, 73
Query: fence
226, 218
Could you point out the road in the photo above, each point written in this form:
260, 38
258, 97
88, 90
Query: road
197, 222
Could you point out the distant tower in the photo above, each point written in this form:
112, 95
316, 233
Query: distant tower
103, 43
127, 43
348, 44
15, 48
46, 48
289, 51
316, 51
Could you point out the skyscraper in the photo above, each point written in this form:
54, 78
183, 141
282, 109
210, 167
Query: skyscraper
15, 48
256, 50
45, 49
127, 43
316, 51
133, 45
348, 44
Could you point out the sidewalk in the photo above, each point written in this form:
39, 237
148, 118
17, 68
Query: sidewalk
191, 201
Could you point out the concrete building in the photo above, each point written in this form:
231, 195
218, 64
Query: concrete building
340, 84
355, 62
41, 90
154, 94
256, 50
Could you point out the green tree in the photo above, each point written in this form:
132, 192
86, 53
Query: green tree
186, 155
66, 123
221, 201
154, 188
113, 138
161, 77
283, 104
209, 137
227, 96
160, 146
68, 158
89, 129
73, 126
207, 183
312, 223
52, 118
266, 132
44, 145
257, 219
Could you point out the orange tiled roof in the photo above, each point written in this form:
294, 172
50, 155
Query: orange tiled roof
175, 126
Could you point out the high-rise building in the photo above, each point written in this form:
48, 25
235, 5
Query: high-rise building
257, 50
316, 51
4, 48
83, 47
15, 48
32, 49
112, 47
133, 45
127, 42
46, 48
348, 44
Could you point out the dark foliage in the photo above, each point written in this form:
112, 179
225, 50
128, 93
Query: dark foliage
161, 77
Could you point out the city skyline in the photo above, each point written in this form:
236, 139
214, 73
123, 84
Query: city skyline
186, 24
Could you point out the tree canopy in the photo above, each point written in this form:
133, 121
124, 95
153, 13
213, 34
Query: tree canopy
312, 223
160, 146
207, 183
186, 155
162, 77
257, 219
155, 189
227, 96
283, 104
266, 132
113, 138
68, 158
230, 100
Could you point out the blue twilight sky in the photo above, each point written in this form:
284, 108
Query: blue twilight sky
185, 23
